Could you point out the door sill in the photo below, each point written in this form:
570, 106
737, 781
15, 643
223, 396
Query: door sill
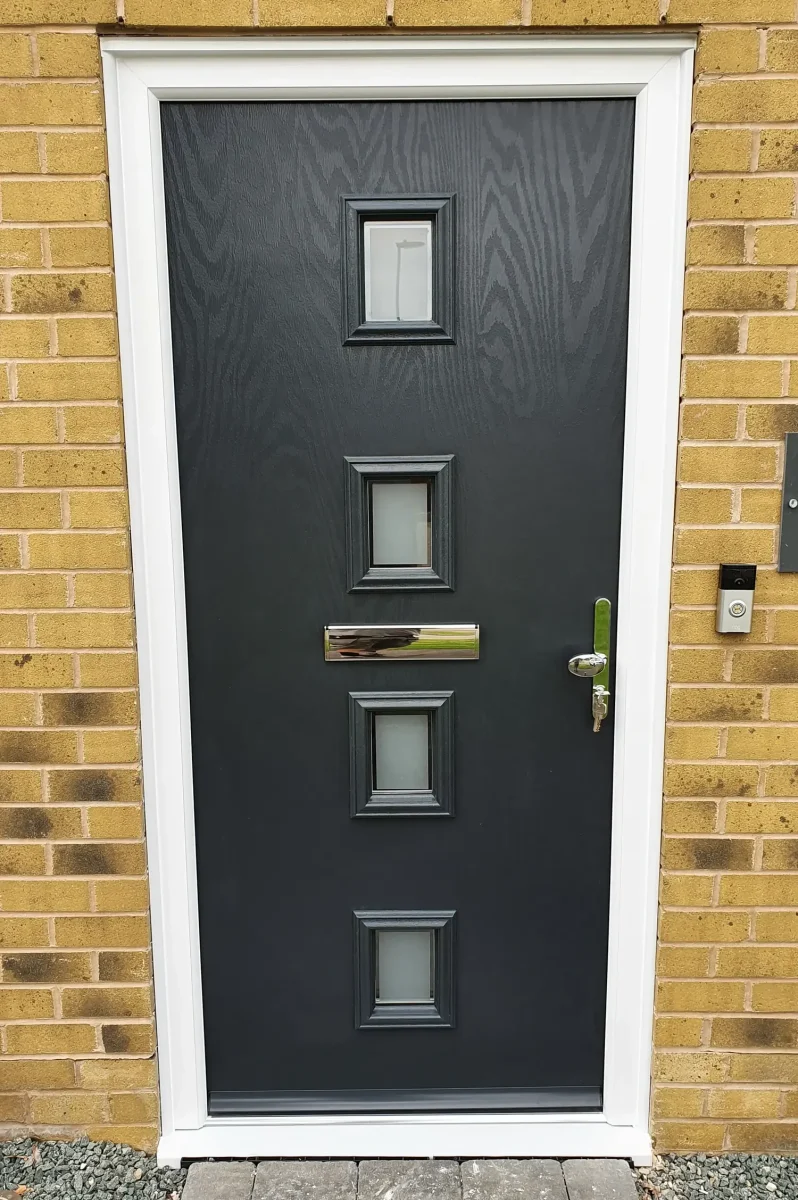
409, 1135
453, 1100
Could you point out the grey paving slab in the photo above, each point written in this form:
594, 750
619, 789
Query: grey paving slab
599, 1179
513, 1179
408, 1179
219, 1181
305, 1181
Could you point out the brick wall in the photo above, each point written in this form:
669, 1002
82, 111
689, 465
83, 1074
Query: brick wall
75, 1000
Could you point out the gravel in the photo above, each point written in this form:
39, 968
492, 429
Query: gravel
722, 1177
77, 1170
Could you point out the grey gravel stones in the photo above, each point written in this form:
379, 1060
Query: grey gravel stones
598, 1179
219, 1181
512, 1179
82, 1169
303, 1181
720, 1176
409, 1179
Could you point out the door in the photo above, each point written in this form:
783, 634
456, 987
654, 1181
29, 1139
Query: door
399, 338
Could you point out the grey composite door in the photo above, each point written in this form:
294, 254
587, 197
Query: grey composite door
399, 338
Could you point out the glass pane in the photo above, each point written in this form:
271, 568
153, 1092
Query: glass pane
397, 260
405, 970
401, 752
400, 525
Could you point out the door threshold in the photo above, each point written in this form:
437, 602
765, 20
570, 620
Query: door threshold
388, 1100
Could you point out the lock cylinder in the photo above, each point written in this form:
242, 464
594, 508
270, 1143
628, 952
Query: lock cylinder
736, 583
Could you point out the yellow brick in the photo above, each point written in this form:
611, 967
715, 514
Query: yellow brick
716, 199
98, 510
94, 787
473, 12
13, 630
104, 1073
715, 245
51, 103
33, 591
21, 860
703, 927
773, 335
68, 381
22, 932
735, 290
737, 11
686, 891
691, 1068
678, 1102
697, 626
24, 339
58, 1038
63, 293
9, 554
10, 550
20, 787
761, 817
122, 895
17, 708
782, 781
754, 1033
707, 854
75, 153
60, 200
71, 551
141, 1137
775, 997
693, 1136
84, 629
704, 506
72, 1108
775, 742
87, 247
715, 779
125, 966
34, 746
44, 896
89, 708
729, 51
776, 244
721, 150
19, 154
760, 505
709, 422
745, 100
682, 961
102, 591
782, 49
776, 927
30, 510
62, 12
771, 421
84, 337
189, 12
68, 55
711, 335
764, 666
726, 464
792, 387
691, 742
15, 55
767, 890
724, 545
72, 468
107, 1002
40, 1074
696, 666
25, 1004
700, 997
20, 248
730, 377
116, 821
135, 1108
780, 854
690, 816
93, 423
117, 747
743, 1102
778, 149
785, 629
46, 968
35, 670
23, 424
107, 670
678, 1032
715, 704
784, 701
105, 932
759, 1136
315, 13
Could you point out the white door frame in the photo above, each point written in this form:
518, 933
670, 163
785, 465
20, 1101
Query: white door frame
657, 71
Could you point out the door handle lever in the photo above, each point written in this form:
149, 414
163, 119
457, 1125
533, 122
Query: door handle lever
596, 666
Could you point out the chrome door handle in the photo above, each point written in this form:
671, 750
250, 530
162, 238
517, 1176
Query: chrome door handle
596, 666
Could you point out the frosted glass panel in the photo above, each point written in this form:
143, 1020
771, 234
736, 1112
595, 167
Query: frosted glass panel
400, 525
401, 752
397, 260
404, 966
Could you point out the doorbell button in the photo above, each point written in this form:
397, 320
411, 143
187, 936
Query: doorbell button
736, 583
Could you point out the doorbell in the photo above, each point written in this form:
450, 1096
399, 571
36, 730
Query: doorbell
736, 584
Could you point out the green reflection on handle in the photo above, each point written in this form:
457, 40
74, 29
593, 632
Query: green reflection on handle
602, 615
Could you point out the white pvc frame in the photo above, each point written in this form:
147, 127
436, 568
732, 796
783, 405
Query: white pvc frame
657, 71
